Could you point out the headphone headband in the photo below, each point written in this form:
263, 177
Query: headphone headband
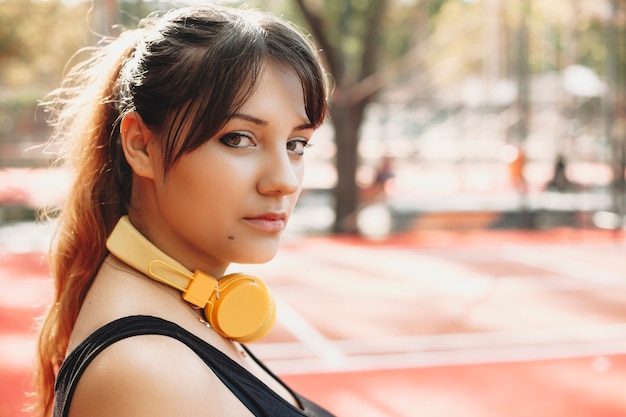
239, 307
128, 244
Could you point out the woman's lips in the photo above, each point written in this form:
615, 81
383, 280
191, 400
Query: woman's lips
267, 222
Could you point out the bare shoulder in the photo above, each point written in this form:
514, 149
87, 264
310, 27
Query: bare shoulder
154, 376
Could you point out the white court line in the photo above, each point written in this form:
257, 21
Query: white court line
484, 356
569, 266
452, 349
596, 333
310, 337
419, 351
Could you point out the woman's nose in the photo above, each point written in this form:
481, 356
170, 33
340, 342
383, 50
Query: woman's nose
281, 175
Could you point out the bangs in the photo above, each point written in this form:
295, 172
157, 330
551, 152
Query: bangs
210, 68
214, 99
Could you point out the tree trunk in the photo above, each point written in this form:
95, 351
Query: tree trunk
347, 104
346, 120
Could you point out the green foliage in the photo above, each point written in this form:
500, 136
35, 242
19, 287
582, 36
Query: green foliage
36, 40
346, 25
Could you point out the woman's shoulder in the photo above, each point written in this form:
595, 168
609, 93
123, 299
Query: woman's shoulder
150, 375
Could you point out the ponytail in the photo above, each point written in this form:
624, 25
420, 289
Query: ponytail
85, 119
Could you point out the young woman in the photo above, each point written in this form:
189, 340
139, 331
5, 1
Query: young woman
186, 138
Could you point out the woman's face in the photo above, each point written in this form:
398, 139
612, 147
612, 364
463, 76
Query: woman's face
230, 199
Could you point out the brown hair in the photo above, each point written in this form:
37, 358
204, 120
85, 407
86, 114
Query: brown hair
193, 68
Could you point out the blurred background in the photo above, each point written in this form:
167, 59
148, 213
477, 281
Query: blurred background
509, 110
470, 143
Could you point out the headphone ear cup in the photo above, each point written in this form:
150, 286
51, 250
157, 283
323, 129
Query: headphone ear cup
242, 310
264, 328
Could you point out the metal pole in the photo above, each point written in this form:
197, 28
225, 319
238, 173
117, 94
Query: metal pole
610, 102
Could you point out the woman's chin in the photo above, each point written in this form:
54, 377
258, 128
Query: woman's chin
259, 257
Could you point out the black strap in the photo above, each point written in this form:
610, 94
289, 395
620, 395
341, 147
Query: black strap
255, 395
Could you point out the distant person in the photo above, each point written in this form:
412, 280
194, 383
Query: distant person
517, 163
186, 139
378, 190
559, 181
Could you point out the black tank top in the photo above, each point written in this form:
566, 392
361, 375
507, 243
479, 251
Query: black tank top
251, 391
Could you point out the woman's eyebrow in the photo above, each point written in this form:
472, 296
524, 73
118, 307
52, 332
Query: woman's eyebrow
261, 122
304, 126
252, 119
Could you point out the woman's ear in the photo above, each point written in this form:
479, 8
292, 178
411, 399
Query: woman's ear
138, 143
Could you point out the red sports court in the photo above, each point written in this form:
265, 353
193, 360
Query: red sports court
490, 323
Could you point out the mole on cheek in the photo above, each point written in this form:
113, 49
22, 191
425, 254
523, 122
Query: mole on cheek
231, 237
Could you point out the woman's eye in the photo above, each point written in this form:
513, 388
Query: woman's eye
297, 146
237, 140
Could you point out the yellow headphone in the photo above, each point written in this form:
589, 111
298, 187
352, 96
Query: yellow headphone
237, 306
